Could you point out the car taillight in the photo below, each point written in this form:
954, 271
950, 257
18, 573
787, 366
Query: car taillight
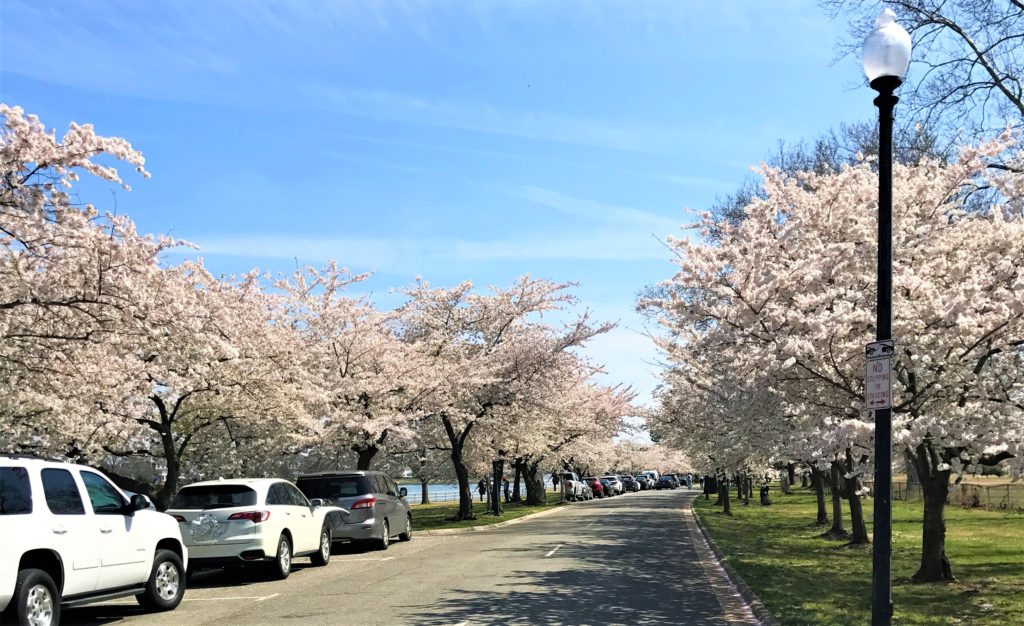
253, 516
179, 518
365, 503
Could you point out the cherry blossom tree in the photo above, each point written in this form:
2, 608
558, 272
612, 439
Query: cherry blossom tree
490, 349
787, 295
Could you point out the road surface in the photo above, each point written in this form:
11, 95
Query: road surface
625, 560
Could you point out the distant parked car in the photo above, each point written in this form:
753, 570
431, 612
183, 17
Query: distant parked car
616, 484
595, 486
573, 486
630, 484
667, 482
588, 492
644, 482
68, 535
375, 507
264, 521
609, 488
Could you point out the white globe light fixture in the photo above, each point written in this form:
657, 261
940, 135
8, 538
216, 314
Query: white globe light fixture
886, 59
887, 48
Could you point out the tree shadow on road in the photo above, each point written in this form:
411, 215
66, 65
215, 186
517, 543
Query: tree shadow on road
637, 567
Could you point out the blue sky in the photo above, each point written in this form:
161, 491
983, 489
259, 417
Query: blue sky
452, 140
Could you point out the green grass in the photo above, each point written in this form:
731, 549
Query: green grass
804, 579
435, 516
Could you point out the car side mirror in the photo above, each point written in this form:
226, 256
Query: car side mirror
402, 492
138, 503
316, 502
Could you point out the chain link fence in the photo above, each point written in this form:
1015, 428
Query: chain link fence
1006, 497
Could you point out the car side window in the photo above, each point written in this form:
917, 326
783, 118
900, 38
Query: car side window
378, 486
15, 491
104, 497
62, 495
277, 495
392, 486
295, 496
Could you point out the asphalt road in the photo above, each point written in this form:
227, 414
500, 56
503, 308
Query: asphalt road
625, 560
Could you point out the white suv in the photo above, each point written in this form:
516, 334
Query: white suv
254, 521
71, 537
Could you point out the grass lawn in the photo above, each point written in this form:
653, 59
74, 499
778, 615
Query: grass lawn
804, 579
435, 516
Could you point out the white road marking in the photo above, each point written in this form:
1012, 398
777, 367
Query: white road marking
271, 596
256, 598
387, 558
460, 624
555, 549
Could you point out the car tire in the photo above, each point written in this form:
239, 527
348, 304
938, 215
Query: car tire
385, 537
407, 535
35, 596
166, 585
281, 566
323, 555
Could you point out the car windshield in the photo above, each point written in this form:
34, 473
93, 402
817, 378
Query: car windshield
214, 497
328, 487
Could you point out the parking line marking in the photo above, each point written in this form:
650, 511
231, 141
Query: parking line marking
257, 598
387, 558
555, 549
270, 597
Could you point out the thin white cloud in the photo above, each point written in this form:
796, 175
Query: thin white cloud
607, 213
414, 256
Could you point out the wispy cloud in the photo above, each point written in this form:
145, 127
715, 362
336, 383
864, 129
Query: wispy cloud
491, 119
606, 213
410, 256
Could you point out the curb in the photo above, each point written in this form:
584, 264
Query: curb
760, 611
473, 529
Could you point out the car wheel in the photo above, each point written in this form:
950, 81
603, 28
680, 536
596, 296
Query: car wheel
385, 537
407, 535
35, 599
166, 585
281, 566
322, 556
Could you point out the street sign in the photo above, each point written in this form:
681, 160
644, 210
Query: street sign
878, 382
880, 349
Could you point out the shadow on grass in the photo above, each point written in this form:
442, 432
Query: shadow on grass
804, 579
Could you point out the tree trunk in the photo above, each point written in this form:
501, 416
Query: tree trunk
535, 486
935, 566
750, 486
859, 535
498, 467
365, 453
461, 471
518, 465
424, 492
818, 482
791, 473
836, 487
724, 495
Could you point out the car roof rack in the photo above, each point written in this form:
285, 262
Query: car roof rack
29, 457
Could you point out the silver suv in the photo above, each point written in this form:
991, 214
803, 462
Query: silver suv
375, 508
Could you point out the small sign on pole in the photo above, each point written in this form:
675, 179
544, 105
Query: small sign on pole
878, 382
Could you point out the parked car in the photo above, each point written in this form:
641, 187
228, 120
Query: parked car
253, 521
573, 486
595, 486
71, 537
629, 484
644, 483
616, 484
588, 493
375, 507
652, 474
667, 482
609, 488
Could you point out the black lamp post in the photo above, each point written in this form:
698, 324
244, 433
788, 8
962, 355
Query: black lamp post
886, 59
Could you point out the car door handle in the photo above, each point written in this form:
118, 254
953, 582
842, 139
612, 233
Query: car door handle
59, 530
106, 531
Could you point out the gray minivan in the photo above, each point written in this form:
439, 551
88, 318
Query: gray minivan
375, 508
